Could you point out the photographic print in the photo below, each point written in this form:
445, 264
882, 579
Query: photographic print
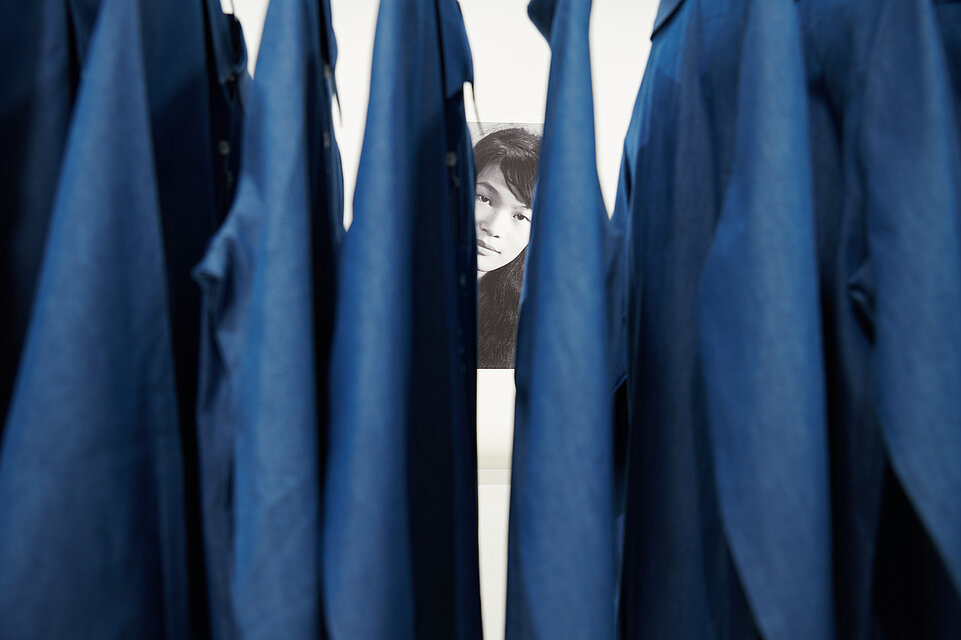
506, 160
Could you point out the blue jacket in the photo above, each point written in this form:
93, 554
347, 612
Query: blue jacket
560, 577
400, 521
92, 531
268, 280
888, 202
728, 514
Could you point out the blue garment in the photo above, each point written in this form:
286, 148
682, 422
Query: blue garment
728, 513
92, 534
619, 284
194, 173
185, 56
949, 20
268, 280
400, 522
618, 247
888, 201
195, 92
38, 77
195, 66
229, 85
560, 576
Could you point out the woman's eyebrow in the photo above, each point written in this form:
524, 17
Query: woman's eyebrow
518, 207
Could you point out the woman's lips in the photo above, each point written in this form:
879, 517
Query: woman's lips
485, 249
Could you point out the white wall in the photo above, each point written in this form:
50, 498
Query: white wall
511, 64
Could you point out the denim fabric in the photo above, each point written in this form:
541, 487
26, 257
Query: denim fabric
617, 249
619, 284
92, 534
179, 77
400, 522
194, 106
39, 81
728, 513
184, 117
560, 576
228, 87
887, 198
761, 348
268, 280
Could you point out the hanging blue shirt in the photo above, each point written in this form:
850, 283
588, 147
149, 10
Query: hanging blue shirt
400, 522
888, 202
92, 532
195, 67
186, 54
268, 280
728, 513
560, 577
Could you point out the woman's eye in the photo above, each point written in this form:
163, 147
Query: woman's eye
521, 217
483, 199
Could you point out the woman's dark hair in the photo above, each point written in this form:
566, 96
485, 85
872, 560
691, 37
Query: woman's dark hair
498, 297
499, 291
517, 151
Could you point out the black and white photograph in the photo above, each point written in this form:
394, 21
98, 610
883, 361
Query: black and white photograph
506, 159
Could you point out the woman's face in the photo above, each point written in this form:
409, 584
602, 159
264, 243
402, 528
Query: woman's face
503, 222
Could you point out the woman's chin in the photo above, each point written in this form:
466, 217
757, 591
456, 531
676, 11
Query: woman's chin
486, 266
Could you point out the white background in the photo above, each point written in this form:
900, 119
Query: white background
511, 64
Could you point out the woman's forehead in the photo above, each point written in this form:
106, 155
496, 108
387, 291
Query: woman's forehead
492, 177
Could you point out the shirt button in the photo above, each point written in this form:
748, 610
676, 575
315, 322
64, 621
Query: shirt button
223, 148
451, 159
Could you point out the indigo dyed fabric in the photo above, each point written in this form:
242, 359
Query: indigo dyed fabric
92, 532
400, 522
194, 68
229, 85
184, 56
619, 284
268, 281
560, 581
179, 74
617, 248
38, 77
728, 513
888, 202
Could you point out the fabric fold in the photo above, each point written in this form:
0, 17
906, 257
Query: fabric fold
268, 280
93, 532
400, 524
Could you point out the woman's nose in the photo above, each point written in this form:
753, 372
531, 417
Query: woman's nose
493, 223
484, 224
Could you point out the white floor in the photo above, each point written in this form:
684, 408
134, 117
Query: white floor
495, 434
493, 501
